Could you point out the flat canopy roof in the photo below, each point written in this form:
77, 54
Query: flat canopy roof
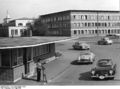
23, 42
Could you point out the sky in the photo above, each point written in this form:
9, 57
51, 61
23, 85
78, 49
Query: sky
35, 8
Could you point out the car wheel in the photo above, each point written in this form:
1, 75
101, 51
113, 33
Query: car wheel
112, 78
91, 62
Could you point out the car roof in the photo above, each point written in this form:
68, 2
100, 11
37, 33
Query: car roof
104, 60
86, 53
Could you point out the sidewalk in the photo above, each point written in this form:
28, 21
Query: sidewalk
53, 69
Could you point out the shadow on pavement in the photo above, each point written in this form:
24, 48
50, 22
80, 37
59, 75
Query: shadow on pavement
76, 63
76, 49
85, 76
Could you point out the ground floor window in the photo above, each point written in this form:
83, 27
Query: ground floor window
5, 58
75, 32
82, 31
17, 56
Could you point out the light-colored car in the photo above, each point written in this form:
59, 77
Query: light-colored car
105, 41
87, 57
81, 46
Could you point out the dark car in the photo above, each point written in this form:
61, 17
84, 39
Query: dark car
81, 46
105, 41
113, 36
105, 68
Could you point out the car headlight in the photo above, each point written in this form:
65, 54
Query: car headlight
93, 72
111, 71
79, 58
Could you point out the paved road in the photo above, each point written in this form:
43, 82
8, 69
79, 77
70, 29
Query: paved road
79, 74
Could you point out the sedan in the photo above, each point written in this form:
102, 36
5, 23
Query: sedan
81, 46
105, 68
105, 41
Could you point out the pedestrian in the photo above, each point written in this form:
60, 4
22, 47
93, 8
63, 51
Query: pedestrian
39, 70
44, 75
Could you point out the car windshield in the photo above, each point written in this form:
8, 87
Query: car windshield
104, 63
86, 53
77, 43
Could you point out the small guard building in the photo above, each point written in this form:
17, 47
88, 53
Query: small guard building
18, 56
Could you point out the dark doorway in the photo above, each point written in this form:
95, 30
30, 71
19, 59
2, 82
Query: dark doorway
25, 61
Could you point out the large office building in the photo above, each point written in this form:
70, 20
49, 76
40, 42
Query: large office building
82, 23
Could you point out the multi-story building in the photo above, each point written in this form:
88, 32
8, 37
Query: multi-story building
15, 28
82, 22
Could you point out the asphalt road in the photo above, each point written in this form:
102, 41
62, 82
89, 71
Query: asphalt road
80, 74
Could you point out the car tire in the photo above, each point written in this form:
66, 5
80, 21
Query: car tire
112, 78
91, 62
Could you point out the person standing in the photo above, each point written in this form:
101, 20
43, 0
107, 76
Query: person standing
39, 70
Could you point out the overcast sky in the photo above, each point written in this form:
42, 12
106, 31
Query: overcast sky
34, 8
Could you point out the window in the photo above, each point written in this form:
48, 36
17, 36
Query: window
16, 32
75, 32
29, 54
5, 58
17, 56
14, 57
82, 31
85, 17
92, 31
20, 24
85, 24
79, 31
74, 16
12, 32
89, 24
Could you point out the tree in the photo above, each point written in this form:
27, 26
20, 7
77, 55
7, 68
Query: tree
38, 28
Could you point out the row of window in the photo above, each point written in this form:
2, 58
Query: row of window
102, 24
14, 32
41, 50
82, 32
19, 56
22, 24
84, 24
16, 56
54, 19
59, 25
95, 17
81, 17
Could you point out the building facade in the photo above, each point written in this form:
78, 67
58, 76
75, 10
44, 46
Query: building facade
18, 56
82, 23
15, 28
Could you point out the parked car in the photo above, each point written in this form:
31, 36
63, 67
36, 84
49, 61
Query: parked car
81, 46
113, 36
105, 68
105, 41
87, 57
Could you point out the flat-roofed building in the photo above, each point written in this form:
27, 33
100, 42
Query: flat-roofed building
18, 56
15, 28
82, 22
